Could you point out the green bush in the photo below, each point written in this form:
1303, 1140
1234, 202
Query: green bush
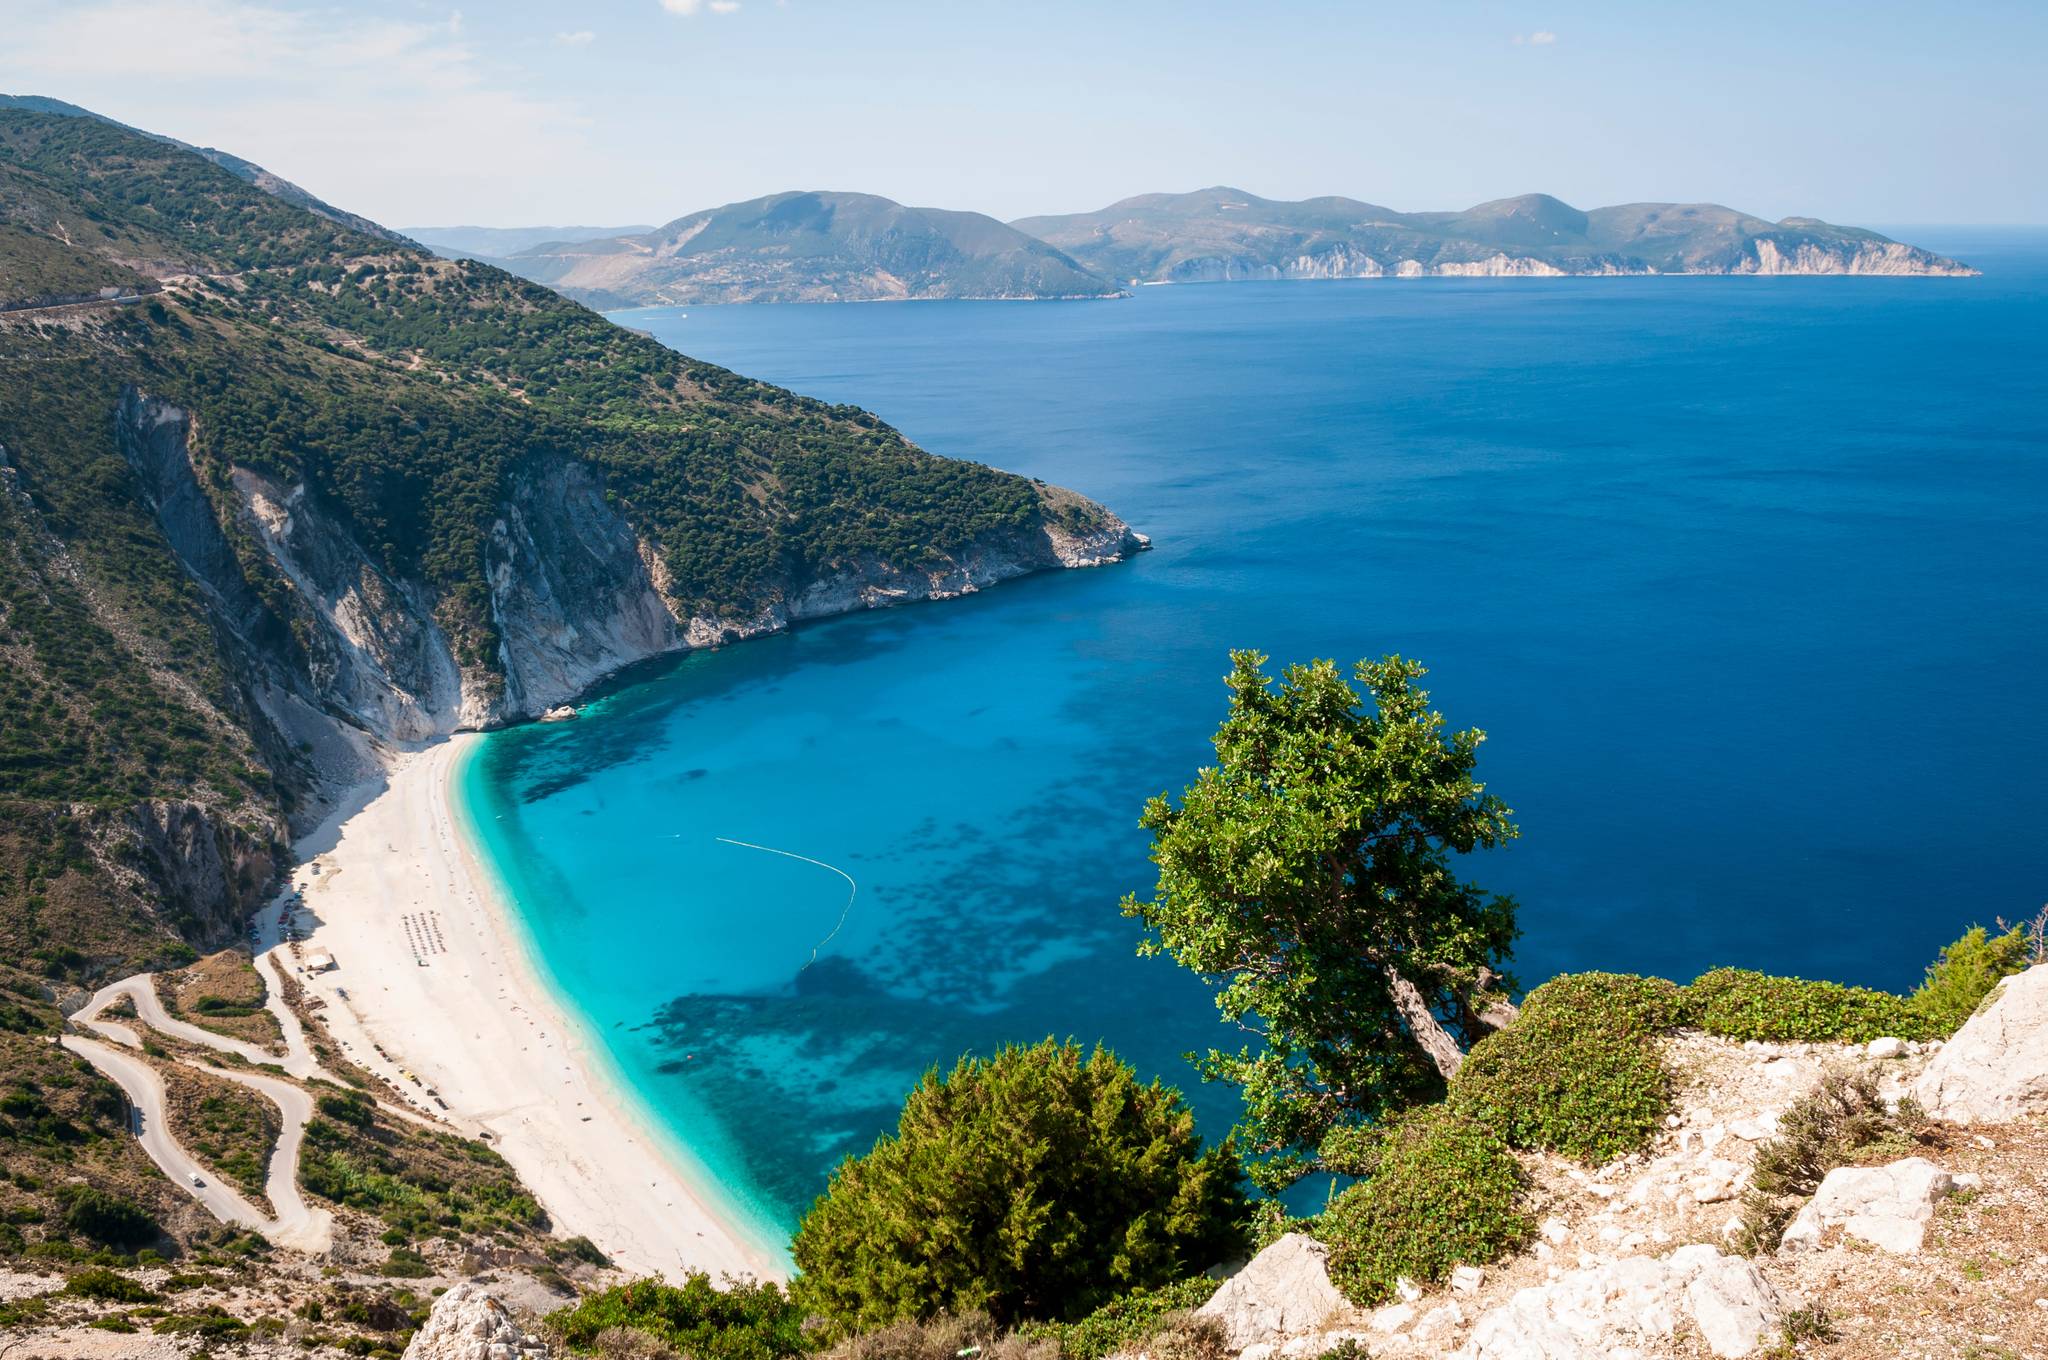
1578, 1073
109, 1218
1959, 980
1441, 1190
747, 1321
1035, 1185
108, 1286
1123, 1322
1736, 1003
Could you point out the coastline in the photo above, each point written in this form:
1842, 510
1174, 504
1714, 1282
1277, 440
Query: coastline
433, 969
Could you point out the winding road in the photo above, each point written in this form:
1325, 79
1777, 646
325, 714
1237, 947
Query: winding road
297, 1225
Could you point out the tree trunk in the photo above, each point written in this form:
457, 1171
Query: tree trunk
1429, 1031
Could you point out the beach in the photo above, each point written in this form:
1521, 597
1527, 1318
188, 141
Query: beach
432, 989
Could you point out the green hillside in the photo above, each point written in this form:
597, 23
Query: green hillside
1221, 234
811, 247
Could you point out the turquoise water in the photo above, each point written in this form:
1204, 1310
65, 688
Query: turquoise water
1744, 577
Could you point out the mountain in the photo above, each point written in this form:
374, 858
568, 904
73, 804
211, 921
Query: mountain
493, 244
274, 489
1221, 234
811, 247
247, 171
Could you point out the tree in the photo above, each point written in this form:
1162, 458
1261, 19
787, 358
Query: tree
1310, 874
1037, 1184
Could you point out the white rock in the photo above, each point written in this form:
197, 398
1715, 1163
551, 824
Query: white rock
1392, 1318
1886, 1206
1283, 1291
1968, 1180
1719, 1181
1886, 1047
1554, 1230
1617, 1309
1995, 1069
1442, 1318
469, 1324
1765, 1125
1610, 1234
1467, 1279
1407, 1289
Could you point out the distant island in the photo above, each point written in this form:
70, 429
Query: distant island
1223, 235
843, 247
810, 247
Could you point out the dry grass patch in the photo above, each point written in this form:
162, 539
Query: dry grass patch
229, 1127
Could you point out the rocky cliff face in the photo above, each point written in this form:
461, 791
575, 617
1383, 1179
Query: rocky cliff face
576, 592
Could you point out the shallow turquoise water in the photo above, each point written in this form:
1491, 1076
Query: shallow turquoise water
1744, 578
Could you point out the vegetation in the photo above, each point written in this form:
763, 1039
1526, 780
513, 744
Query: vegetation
1839, 1122
1738, 1004
1436, 1190
230, 1128
1964, 975
1313, 870
420, 1182
108, 1286
950, 1337
1578, 1072
746, 1320
1036, 1184
224, 993
1124, 1322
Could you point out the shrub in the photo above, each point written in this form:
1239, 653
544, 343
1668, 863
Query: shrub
108, 1286
1440, 1190
945, 1338
1578, 1072
1830, 1126
109, 1218
747, 1321
1959, 980
1037, 1184
1123, 1322
1738, 1004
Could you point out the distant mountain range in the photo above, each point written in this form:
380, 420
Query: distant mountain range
1222, 234
834, 247
810, 247
491, 244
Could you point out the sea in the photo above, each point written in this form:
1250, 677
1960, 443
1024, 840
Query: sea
1746, 581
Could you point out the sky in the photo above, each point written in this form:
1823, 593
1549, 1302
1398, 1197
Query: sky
617, 111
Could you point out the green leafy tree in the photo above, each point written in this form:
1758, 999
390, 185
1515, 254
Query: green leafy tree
1034, 1185
1310, 873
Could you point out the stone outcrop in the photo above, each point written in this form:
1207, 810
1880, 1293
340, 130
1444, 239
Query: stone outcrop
1996, 1066
1615, 1309
469, 1324
1886, 1206
1284, 1293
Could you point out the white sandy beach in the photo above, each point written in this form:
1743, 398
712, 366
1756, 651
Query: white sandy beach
478, 1027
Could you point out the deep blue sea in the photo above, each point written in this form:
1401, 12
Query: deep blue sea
1747, 580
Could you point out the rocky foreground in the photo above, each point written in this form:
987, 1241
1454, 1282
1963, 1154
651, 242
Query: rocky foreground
1938, 1252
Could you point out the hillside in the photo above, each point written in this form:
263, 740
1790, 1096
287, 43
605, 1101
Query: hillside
309, 488
1222, 234
811, 247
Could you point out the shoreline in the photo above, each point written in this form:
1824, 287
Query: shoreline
434, 978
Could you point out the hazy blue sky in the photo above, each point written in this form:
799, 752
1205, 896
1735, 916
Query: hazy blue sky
641, 110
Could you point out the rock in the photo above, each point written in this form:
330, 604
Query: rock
1444, 1317
1886, 1206
469, 1324
1467, 1279
1610, 1310
1886, 1048
1392, 1318
1407, 1289
1995, 1069
1283, 1291
1554, 1230
1719, 1181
